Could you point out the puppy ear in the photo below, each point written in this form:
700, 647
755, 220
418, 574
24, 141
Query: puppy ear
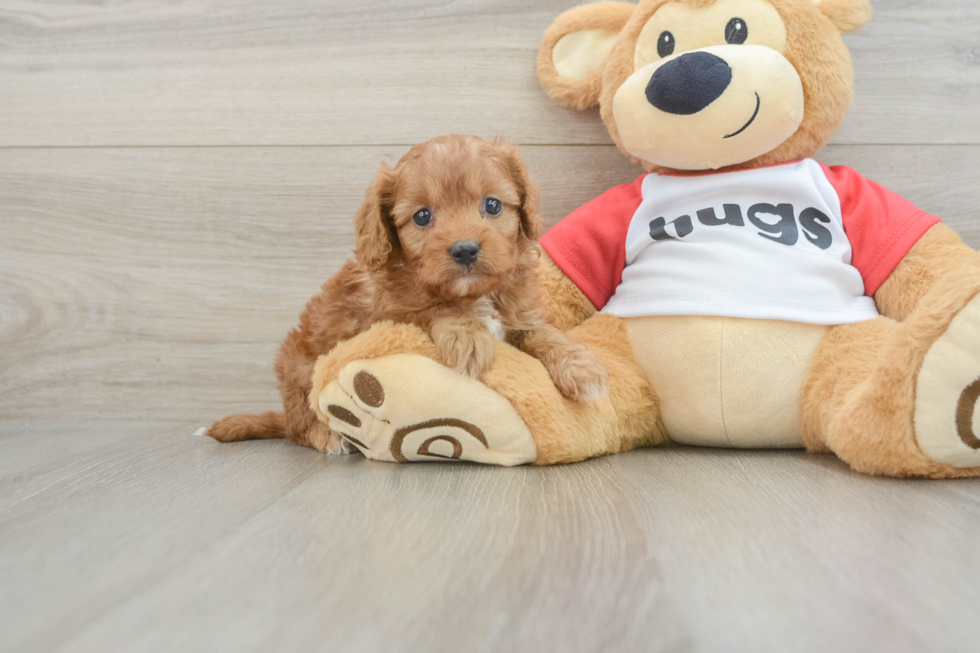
575, 48
847, 15
373, 228
530, 198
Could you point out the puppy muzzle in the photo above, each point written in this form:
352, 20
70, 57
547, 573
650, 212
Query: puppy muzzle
465, 252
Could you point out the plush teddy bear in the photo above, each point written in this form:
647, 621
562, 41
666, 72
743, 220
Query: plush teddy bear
740, 293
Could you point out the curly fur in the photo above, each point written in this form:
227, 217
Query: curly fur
404, 273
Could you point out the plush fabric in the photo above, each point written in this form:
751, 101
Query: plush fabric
881, 225
937, 254
578, 92
581, 55
727, 382
859, 400
563, 430
816, 52
403, 408
837, 234
565, 302
730, 89
764, 83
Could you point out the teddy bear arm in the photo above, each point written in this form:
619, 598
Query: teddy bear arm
566, 305
938, 253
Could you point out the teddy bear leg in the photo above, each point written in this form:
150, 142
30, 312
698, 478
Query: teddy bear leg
898, 398
387, 394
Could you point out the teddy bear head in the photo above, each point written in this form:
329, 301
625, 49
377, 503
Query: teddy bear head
696, 85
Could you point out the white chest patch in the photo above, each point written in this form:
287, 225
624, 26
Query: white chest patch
486, 312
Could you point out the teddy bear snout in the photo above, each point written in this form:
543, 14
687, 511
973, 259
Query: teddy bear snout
689, 83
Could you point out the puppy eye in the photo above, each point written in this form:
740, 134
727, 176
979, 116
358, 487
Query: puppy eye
492, 206
665, 44
736, 31
422, 217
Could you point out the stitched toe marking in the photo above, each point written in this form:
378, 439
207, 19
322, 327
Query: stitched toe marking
344, 415
369, 389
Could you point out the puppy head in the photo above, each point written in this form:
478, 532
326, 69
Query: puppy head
458, 213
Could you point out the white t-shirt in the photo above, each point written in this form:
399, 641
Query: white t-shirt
798, 242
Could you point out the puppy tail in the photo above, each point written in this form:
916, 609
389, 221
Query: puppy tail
266, 426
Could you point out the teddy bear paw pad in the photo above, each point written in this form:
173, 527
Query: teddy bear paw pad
408, 408
947, 418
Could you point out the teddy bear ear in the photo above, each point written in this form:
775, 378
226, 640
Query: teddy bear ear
575, 49
847, 15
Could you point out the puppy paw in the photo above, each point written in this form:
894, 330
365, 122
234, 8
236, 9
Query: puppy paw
466, 350
325, 440
580, 374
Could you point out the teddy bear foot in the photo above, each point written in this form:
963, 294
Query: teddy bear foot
947, 422
406, 407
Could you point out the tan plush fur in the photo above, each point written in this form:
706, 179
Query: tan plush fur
405, 272
709, 373
382, 339
859, 399
566, 305
821, 59
564, 431
939, 253
846, 15
578, 94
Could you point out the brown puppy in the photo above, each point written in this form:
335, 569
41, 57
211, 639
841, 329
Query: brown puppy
446, 240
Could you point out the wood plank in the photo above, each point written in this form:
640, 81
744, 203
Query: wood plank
161, 541
141, 277
329, 72
157, 283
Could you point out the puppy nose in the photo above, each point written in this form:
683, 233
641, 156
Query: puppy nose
689, 83
465, 252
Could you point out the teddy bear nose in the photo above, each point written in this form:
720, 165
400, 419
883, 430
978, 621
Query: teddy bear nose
465, 252
689, 83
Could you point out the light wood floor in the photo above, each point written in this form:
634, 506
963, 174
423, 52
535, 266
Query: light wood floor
177, 178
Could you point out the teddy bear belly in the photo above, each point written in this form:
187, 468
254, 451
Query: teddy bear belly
727, 382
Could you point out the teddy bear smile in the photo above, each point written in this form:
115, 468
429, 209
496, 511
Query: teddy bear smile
758, 105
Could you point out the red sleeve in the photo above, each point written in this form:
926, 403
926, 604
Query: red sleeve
881, 225
590, 244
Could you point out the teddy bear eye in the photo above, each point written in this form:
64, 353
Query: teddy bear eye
665, 44
492, 206
736, 31
422, 217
